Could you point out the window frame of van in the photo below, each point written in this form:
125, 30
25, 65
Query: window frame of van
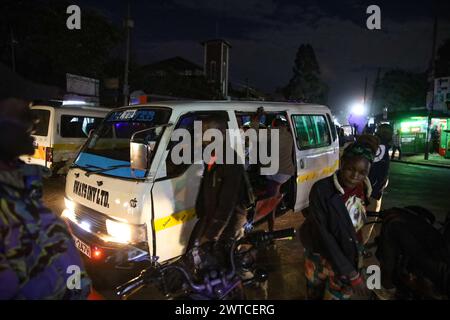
332, 127
315, 146
240, 114
171, 143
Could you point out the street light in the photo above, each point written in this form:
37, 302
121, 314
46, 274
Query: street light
358, 109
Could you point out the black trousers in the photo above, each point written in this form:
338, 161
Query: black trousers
394, 149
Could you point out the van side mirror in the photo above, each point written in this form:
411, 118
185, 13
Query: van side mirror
140, 154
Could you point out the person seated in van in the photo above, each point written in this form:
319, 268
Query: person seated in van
331, 232
285, 144
37, 252
286, 163
221, 203
286, 169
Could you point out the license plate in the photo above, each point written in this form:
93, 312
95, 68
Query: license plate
83, 247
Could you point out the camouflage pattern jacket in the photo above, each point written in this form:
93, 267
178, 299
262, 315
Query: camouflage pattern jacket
38, 258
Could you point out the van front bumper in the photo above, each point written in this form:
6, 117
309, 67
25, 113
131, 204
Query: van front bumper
102, 252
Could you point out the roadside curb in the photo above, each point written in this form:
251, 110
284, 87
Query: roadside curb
423, 164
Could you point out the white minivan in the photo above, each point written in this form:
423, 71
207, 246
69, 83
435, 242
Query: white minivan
60, 132
119, 210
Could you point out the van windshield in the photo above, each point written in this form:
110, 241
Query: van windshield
108, 149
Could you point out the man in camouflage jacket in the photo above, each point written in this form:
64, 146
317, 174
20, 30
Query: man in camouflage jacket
38, 259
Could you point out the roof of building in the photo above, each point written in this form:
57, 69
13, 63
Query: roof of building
176, 63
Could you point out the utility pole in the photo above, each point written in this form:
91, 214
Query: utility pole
431, 77
374, 92
128, 25
247, 93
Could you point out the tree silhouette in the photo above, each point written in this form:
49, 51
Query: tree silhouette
400, 90
306, 84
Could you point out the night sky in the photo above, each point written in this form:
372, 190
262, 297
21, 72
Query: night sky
265, 35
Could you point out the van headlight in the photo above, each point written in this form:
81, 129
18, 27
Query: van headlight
69, 211
125, 233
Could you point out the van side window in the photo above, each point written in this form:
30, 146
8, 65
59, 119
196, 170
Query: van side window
304, 131
332, 127
43, 117
322, 131
78, 126
186, 121
311, 131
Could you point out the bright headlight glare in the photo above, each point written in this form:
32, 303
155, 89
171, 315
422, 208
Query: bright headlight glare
119, 231
69, 212
70, 205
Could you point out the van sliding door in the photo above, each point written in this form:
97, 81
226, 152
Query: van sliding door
314, 149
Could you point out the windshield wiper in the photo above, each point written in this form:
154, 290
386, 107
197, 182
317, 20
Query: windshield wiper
100, 170
86, 167
89, 167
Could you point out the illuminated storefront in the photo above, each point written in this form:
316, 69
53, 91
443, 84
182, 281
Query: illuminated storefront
444, 149
414, 131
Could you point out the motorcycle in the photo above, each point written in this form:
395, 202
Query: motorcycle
410, 279
224, 282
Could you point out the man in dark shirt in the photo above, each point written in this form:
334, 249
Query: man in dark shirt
221, 200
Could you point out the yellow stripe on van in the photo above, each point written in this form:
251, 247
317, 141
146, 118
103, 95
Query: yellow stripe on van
174, 219
39, 153
66, 146
313, 175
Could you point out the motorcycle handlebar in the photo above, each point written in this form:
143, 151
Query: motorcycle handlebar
283, 234
261, 236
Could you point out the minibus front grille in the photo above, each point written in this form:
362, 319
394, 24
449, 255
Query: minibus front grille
95, 221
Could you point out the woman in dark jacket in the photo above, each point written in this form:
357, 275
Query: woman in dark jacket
331, 233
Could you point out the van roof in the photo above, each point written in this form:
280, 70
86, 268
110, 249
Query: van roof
72, 107
229, 104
